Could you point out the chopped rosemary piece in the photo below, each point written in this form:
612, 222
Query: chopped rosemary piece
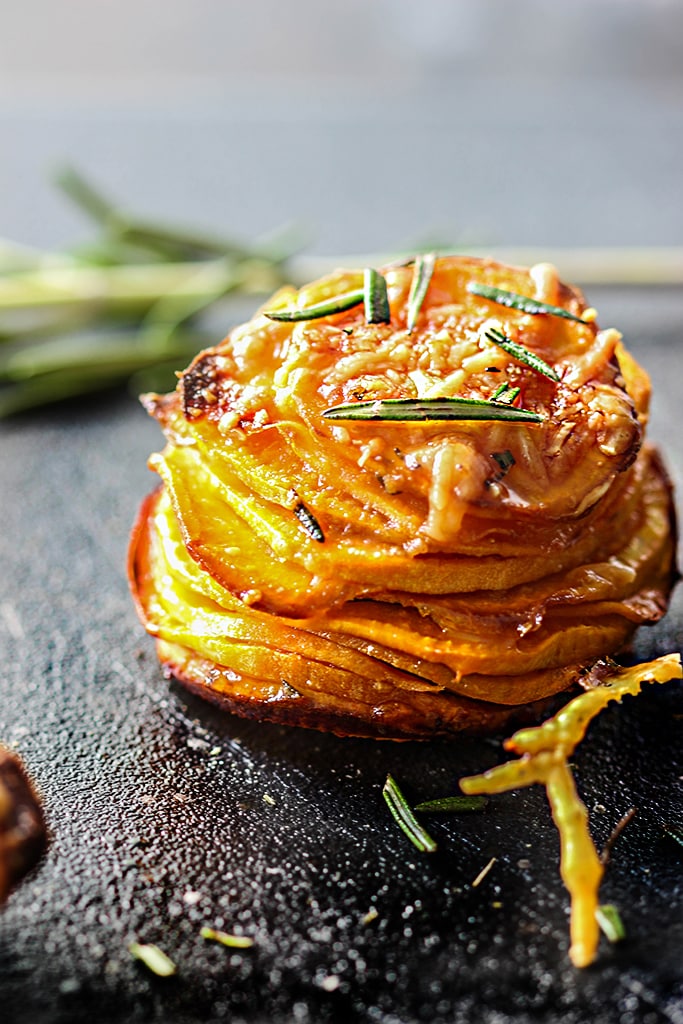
452, 804
226, 939
610, 922
404, 817
337, 304
483, 873
521, 302
375, 297
416, 410
505, 460
422, 275
309, 522
520, 353
675, 833
153, 958
505, 394
615, 833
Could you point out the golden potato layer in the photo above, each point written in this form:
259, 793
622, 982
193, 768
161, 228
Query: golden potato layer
401, 574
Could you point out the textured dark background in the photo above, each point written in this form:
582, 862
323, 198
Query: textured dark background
378, 125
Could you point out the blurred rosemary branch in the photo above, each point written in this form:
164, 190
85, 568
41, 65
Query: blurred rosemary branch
134, 305
128, 308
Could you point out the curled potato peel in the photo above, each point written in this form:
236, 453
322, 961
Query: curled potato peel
544, 752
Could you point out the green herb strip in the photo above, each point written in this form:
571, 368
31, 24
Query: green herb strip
505, 394
226, 939
309, 522
417, 410
153, 958
375, 297
452, 804
404, 817
422, 275
675, 833
522, 354
610, 922
337, 304
505, 460
521, 302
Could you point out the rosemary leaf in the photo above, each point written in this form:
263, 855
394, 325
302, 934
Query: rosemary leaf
337, 304
422, 275
505, 460
404, 817
227, 939
153, 958
522, 354
164, 240
505, 394
421, 409
375, 297
675, 833
452, 804
610, 922
521, 302
309, 522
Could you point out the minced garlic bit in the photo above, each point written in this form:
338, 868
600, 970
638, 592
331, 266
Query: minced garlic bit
545, 751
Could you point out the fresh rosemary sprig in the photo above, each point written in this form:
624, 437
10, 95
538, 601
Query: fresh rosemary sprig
522, 354
422, 275
404, 817
515, 301
412, 410
72, 323
329, 307
375, 297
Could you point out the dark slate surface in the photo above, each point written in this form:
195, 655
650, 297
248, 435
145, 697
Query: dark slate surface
166, 816
521, 123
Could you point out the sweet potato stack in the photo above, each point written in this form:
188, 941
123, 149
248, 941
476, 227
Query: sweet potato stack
406, 503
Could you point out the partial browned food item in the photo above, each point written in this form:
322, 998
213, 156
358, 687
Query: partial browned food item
451, 561
22, 827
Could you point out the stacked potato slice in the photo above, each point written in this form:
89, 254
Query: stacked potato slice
408, 564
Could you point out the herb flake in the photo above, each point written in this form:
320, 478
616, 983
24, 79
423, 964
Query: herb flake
522, 354
154, 959
226, 938
521, 302
505, 394
309, 522
451, 804
404, 817
375, 297
611, 925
